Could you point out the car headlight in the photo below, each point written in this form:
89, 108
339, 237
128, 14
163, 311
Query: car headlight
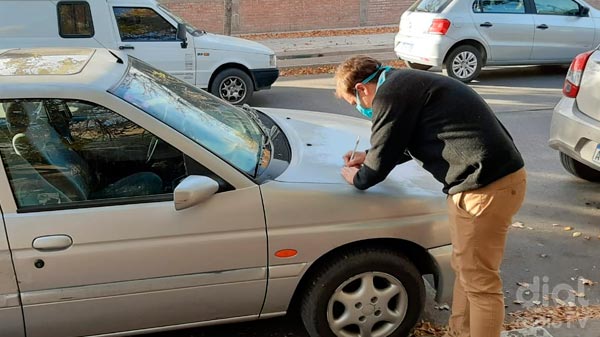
273, 60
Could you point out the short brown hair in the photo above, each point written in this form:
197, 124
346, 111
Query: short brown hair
354, 70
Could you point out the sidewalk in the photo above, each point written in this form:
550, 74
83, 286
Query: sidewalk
323, 50
590, 328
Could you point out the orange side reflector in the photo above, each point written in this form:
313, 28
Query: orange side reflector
285, 253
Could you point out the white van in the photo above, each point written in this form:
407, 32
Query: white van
230, 68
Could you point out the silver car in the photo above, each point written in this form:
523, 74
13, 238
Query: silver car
575, 128
464, 35
133, 202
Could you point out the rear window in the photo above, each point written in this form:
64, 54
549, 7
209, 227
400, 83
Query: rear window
430, 6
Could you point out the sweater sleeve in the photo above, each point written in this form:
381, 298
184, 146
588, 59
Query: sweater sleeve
395, 115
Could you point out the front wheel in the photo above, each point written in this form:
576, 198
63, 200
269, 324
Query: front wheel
233, 86
463, 63
364, 293
578, 169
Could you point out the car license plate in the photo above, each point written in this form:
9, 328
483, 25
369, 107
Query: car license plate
406, 47
596, 157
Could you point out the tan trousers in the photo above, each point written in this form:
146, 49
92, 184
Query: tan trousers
479, 222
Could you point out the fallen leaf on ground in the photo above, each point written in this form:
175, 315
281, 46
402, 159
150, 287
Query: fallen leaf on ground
523, 284
568, 228
577, 294
518, 302
518, 224
586, 282
555, 225
576, 234
560, 302
536, 302
544, 255
530, 228
442, 307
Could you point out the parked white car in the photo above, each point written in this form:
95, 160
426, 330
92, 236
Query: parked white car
462, 36
575, 128
133, 202
230, 68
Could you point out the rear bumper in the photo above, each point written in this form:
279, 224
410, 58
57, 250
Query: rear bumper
425, 49
263, 78
574, 133
444, 280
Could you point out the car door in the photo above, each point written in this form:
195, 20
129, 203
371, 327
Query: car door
151, 37
507, 27
560, 31
11, 317
97, 244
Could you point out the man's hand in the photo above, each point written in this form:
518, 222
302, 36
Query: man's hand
348, 173
357, 161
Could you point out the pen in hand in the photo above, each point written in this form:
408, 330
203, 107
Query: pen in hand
355, 148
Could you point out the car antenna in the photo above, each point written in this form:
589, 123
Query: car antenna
119, 60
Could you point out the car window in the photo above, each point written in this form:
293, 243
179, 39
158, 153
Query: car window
67, 151
429, 6
499, 6
143, 24
225, 130
557, 7
75, 19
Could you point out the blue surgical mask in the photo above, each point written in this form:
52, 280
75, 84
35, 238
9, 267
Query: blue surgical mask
368, 112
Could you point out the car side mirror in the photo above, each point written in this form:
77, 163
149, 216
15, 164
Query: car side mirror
584, 11
182, 34
193, 190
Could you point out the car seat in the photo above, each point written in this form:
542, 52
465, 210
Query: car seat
51, 155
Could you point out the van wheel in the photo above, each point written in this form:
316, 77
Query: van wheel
578, 169
417, 66
463, 63
366, 292
233, 86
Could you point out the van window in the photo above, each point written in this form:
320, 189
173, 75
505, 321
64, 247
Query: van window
429, 6
143, 24
75, 19
499, 6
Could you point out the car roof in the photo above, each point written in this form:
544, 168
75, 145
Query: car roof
30, 71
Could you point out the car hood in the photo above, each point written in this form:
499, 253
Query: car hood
228, 43
319, 140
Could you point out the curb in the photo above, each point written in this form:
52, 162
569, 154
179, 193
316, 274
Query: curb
313, 53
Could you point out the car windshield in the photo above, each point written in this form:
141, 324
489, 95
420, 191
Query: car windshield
188, 26
429, 6
223, 129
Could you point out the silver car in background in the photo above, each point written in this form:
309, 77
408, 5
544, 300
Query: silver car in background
462, 36
575, 128
133, 202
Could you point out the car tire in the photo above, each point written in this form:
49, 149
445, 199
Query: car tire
578, 169
417, 66
233, 86
371, 269
463, 63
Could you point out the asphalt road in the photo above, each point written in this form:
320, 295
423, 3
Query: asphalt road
543, 255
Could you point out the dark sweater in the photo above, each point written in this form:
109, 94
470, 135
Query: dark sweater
443, 124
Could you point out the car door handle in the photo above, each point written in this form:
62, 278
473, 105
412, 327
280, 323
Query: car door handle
126, 47
542, 27
486, 24
52, 242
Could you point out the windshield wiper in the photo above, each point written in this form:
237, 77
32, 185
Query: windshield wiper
268, 134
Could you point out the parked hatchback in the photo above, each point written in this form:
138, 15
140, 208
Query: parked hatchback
575, 128
462, 36
134, 202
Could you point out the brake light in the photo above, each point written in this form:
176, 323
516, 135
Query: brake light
439, 26
573, 79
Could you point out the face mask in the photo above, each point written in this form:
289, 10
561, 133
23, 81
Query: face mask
368, 112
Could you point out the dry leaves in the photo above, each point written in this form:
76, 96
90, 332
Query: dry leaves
540, 316
428, 329
568, 228
321, 33
576, 234
586, 282
325, 69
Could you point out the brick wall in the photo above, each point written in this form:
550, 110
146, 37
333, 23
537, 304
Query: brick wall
259, 16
